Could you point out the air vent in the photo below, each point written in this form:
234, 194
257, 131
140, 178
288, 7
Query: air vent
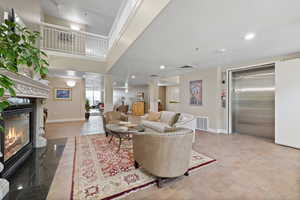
154, 76
202, 123
186, 67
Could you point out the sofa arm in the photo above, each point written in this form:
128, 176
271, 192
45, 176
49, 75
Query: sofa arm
144, 117
165, 154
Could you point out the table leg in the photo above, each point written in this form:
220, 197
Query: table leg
111, 139
120, 141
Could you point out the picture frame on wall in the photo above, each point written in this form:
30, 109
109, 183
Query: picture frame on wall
196, 97
63, 94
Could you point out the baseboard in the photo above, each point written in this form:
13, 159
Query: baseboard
65, 120
219, 131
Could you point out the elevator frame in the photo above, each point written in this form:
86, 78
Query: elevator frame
229, 72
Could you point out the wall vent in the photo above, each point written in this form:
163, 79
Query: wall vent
202, 123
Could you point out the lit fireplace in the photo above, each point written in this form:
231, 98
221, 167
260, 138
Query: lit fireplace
17, 138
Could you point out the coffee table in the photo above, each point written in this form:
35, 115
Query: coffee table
123, 131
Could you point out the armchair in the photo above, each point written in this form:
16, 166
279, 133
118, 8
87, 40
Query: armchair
165, 155
113, 117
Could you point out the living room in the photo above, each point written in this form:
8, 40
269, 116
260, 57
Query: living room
140, 99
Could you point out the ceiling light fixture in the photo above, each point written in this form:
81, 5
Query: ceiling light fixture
75, 27
223, 50
162, 67
133, 76
71, 83
249, 36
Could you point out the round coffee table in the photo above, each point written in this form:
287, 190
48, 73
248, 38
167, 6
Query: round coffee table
123, 131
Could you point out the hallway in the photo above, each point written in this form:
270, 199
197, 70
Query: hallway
70, 129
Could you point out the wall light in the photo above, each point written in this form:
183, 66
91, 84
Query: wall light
126, 90
71, 83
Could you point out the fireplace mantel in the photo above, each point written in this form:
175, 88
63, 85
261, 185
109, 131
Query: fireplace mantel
27, 87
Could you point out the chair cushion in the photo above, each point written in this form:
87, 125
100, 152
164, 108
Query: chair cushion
167, 117
153, 116
158, 126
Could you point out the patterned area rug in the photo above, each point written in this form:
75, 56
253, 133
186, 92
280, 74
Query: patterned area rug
101, 173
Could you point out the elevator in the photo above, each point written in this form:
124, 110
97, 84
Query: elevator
253, 101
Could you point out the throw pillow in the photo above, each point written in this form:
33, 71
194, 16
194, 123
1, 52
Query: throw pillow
153, 116
174, 119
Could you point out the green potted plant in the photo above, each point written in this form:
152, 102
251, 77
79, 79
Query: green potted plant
87, 109
18, 47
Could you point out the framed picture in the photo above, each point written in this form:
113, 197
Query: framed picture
196, 93
63, 94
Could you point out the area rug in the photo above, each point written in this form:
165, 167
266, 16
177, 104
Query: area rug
101, 173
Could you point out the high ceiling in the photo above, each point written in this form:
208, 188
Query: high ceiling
210, 33
97, 15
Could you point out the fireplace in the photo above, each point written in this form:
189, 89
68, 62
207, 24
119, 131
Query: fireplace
17, 138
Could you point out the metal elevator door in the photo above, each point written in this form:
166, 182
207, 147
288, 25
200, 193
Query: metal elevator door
253, 102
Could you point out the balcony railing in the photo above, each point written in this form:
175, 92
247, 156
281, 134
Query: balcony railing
65, 40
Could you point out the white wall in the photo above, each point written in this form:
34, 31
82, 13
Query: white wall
287, 103
60, 110
172, 94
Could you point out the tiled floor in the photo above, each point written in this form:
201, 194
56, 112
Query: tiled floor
247, 168
71, 129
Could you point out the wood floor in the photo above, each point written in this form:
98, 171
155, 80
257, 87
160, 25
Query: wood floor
247, 167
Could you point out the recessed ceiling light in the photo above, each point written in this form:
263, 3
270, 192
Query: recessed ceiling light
162, 67
133, 76
249, 36
75, 27
223, 50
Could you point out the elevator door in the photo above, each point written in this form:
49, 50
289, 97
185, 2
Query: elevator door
253, 102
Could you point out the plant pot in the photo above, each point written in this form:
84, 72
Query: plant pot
87, 115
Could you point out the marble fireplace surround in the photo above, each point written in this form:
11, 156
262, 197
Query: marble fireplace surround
27, 87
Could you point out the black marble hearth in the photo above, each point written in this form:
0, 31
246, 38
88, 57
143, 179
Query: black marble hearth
33, 179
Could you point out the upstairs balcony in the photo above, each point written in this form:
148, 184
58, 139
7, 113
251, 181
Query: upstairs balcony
64, 41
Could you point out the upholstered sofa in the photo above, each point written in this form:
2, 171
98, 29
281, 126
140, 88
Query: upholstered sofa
164, 124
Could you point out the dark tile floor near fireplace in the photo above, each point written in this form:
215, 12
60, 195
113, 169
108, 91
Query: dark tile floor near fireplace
33, 179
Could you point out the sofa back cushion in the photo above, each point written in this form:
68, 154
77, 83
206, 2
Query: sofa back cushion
154, 116
167, 117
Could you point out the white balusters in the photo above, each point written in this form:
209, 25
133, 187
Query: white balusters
65, 40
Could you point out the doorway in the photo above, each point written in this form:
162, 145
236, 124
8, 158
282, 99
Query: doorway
252, 101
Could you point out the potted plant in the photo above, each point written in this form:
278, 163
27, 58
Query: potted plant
87, 109
18, 47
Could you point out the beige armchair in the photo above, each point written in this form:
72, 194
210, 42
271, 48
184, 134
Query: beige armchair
165, 155
113, 117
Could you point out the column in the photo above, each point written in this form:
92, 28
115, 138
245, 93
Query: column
153, 95
38, 139
108, 93
4, 184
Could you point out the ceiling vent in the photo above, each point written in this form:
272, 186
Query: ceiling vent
154, 76
186, 67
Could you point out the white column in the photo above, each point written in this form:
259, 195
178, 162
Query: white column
153, 95
4, 184
38, 139
108, 93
